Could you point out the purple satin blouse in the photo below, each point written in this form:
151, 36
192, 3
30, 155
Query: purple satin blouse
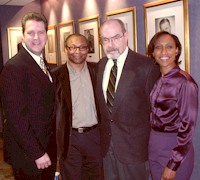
174, 108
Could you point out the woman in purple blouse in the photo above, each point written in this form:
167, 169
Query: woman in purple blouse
174, 107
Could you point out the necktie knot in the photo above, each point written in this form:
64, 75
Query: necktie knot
115, 62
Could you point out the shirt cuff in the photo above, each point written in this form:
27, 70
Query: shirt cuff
173, 165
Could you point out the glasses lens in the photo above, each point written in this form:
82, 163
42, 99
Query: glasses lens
81, 48
113, 39
71, 48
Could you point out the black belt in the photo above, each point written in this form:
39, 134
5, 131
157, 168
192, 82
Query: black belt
85, 129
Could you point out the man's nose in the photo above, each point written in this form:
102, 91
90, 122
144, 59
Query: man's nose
110, 43
36, 36
77, 50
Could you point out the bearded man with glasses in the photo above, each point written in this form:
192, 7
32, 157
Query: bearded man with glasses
124, 128
77, 117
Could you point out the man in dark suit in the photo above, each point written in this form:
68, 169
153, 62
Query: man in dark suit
124, 128
78, 136
28, 100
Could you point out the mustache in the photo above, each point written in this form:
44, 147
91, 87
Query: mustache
111, 49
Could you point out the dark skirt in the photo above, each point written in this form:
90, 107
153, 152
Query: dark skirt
160, 150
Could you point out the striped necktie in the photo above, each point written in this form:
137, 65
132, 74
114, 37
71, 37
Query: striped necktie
111, 86
44, 69
43, 66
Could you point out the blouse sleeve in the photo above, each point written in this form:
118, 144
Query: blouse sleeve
187, 106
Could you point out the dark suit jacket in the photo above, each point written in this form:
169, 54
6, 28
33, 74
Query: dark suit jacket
130, 127
64, 105
28, 102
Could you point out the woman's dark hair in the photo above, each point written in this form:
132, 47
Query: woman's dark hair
154, 39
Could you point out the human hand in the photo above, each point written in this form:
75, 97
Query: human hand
168, 174
43, 162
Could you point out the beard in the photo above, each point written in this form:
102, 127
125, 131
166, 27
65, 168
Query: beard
112, 53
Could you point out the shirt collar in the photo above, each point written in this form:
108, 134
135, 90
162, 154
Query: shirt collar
73, 70
35, 57
123, 56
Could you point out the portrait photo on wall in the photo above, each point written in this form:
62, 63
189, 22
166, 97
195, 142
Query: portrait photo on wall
128, 16
64, 30
89, 34
51, 44
165, 24
89, 27
171, 16
64, 37
14, 40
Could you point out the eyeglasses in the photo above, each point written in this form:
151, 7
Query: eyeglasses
74, 48
114, 39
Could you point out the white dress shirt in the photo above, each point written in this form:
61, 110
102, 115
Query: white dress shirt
120, 64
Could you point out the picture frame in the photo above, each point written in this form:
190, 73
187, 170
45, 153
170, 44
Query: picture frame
51, 45
128, 16
175, 12
14, 40
65, 29
89, 27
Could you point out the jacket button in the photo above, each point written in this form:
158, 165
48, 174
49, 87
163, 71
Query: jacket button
111, 120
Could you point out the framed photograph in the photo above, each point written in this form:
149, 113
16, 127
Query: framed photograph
89, 28
14, 40
128, 16
65, 29
51, 45
171, 16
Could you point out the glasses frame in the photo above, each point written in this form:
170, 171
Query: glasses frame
74, 48
113, 39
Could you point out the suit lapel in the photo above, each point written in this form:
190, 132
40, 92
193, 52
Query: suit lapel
65, 85
99, 90
33, 67
125, 81
123, 84
92, 74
